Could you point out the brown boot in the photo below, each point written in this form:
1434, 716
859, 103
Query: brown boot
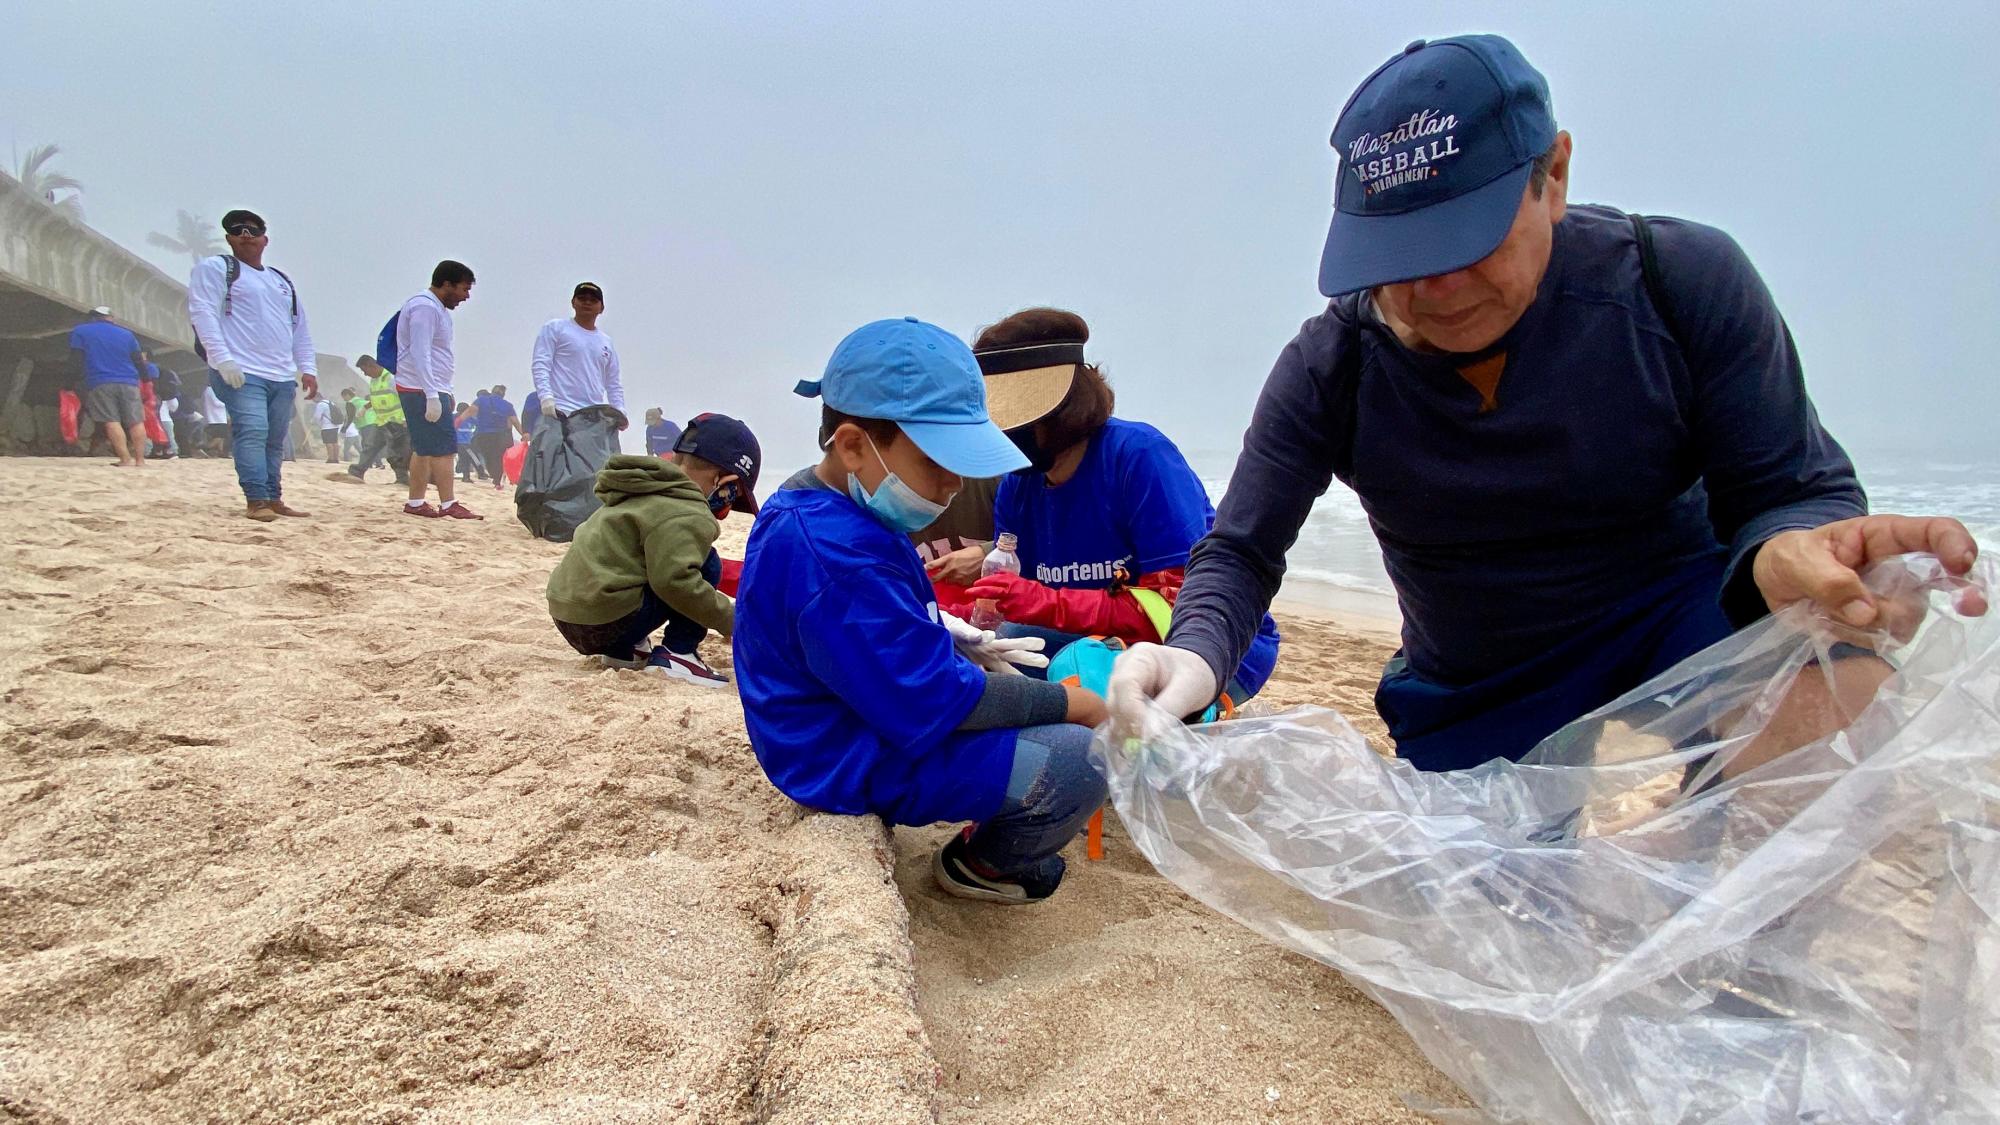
260, 511
283, 509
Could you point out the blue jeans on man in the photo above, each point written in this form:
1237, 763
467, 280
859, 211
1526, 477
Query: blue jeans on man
260, 417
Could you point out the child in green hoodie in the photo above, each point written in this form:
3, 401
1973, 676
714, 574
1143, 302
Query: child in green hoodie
646, 559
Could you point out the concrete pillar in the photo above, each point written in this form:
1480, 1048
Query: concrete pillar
11, 412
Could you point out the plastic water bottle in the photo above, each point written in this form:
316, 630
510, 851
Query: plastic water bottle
1002, 557
1000, 560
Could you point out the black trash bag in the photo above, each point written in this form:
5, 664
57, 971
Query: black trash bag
559, 478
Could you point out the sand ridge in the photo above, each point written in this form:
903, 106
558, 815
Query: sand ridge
320, 821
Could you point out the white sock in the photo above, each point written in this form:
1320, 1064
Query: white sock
418, 503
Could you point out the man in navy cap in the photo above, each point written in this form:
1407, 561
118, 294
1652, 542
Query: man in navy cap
1583, 439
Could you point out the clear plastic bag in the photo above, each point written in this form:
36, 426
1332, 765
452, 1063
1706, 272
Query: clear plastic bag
1762, 887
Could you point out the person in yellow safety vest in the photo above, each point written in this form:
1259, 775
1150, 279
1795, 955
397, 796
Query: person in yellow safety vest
389, 434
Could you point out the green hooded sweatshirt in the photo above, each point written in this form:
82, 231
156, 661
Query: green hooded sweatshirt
655, 530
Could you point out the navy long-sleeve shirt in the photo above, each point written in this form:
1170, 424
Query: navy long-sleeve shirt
1609, 455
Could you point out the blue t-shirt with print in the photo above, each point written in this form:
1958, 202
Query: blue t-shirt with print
107, 352
852, 691
1134, 506
661, 436
493, 413
466, 429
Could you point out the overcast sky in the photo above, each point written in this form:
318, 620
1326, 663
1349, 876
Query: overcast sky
750, 181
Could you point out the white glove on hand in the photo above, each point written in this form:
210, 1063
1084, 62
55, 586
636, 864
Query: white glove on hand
1176, 679
990, 652
433, 408
231, 372
548, 407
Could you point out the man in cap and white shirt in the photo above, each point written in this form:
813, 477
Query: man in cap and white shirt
253, 333
1583, 438
575, 363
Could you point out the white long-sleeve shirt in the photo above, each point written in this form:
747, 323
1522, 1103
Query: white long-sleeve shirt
576, 367
423, 346
259, 334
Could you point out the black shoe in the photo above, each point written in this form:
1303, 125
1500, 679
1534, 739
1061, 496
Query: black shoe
955, 875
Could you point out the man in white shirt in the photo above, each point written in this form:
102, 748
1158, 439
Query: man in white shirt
252, 329
575, 364
424, 369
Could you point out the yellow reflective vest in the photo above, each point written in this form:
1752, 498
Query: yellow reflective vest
383, 401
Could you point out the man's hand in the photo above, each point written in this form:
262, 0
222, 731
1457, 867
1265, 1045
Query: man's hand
1823, 566
1178, 680
309, 381
959, 568
231, 372
548, 406
433, 408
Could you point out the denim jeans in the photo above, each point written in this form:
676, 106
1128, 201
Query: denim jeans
1051, 793
628, 634
260, 416
1055, 640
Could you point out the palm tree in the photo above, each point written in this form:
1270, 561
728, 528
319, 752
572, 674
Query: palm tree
192, 236
46, 182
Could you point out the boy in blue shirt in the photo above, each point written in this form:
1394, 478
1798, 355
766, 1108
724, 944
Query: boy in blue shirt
857, 697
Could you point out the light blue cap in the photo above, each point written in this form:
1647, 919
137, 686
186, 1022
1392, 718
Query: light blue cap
925, 380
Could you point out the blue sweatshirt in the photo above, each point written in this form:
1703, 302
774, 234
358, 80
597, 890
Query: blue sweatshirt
852, 690
1609, 457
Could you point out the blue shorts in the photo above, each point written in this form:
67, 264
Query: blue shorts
1457, 726
429, 439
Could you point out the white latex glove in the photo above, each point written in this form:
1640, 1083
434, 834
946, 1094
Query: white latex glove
990, 652
231, 372
548, 407
1178, 680
433, 408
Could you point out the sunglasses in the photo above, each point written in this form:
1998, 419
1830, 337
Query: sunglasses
244, 228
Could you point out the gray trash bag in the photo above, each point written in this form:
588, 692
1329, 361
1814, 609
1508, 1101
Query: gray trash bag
559, 477
1762, 887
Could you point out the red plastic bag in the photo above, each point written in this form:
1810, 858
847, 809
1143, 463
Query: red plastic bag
69, 406
512, 460
155, 431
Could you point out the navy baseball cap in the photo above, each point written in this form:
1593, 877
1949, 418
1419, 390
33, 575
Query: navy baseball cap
926, 381
1435, 149
728, 444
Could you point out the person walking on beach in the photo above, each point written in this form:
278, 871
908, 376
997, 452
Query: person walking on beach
110, 364
660, 433
424, 368
329, 430
252, 330
465, 425
575, 364
1582, 438
493, 432
385, 434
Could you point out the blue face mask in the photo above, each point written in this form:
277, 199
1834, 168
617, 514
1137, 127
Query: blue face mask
897, 505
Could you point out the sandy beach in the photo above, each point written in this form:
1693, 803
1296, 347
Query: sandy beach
321, 821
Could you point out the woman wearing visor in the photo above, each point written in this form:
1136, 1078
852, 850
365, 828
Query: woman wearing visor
1106, 512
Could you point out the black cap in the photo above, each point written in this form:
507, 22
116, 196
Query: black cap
590, 287
240, 216
728, 444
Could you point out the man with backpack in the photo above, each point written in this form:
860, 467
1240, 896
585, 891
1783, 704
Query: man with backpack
1582, 438
424, 363
252, 331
